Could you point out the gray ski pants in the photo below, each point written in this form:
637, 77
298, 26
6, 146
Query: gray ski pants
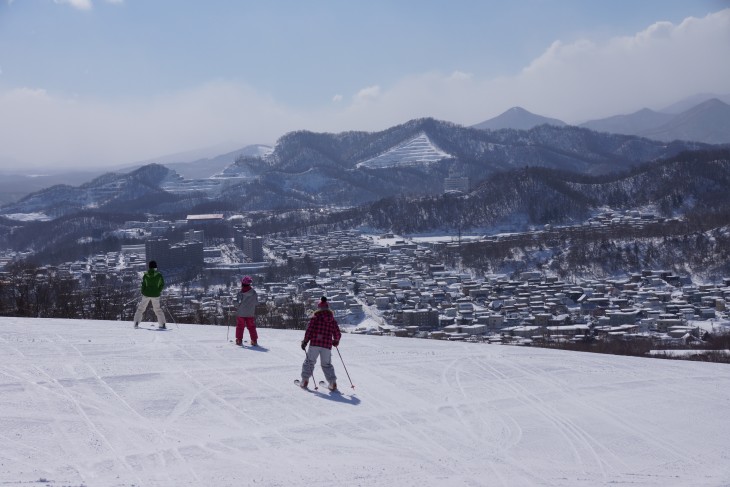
155, 307
325, 355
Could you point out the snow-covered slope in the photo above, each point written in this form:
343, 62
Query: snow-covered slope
101, 404
418, 150
205, 164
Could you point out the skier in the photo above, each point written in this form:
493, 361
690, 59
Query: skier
247, 300
152, 285
322, 333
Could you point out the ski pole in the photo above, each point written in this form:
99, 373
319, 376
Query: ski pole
172, 317
229, 327
124, 306
343, 364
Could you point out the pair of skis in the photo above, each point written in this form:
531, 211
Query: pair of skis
151, 328
322, 384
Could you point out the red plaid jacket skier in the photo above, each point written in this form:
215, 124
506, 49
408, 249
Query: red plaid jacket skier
323, 330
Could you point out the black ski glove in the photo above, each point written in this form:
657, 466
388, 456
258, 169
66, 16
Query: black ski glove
335, 343
304, 345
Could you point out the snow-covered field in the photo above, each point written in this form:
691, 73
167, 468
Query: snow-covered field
97, 404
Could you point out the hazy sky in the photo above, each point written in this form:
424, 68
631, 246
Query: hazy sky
109, 82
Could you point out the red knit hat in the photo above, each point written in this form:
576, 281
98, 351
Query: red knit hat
323, 303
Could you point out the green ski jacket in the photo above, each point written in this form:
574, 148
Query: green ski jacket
152, 283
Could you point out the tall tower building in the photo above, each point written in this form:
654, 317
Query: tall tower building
187, 255
158, 250
253, 247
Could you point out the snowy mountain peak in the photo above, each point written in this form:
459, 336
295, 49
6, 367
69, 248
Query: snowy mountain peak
517, 118
415, 151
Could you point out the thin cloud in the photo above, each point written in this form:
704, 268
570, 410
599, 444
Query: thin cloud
460, 76
367, 94
573, 81
81, 4
655, 67
77, 4
51, 130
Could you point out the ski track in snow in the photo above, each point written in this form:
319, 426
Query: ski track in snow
97, 403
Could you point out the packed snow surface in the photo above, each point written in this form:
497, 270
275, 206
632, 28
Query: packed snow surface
97, 404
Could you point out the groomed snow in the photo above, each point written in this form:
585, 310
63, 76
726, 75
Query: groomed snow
97, 404
415, 151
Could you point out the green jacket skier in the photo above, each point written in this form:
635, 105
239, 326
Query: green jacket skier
152, 285
152, 282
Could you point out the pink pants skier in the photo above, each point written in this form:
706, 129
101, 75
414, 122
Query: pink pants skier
246, 322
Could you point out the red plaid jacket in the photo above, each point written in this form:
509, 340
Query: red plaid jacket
322, 329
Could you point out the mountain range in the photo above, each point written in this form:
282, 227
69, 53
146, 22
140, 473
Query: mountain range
691, 183
307, 169
707, 121
704, 118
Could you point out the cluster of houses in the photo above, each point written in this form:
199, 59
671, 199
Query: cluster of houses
442, 304
402, 293
388, 285
650, 304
